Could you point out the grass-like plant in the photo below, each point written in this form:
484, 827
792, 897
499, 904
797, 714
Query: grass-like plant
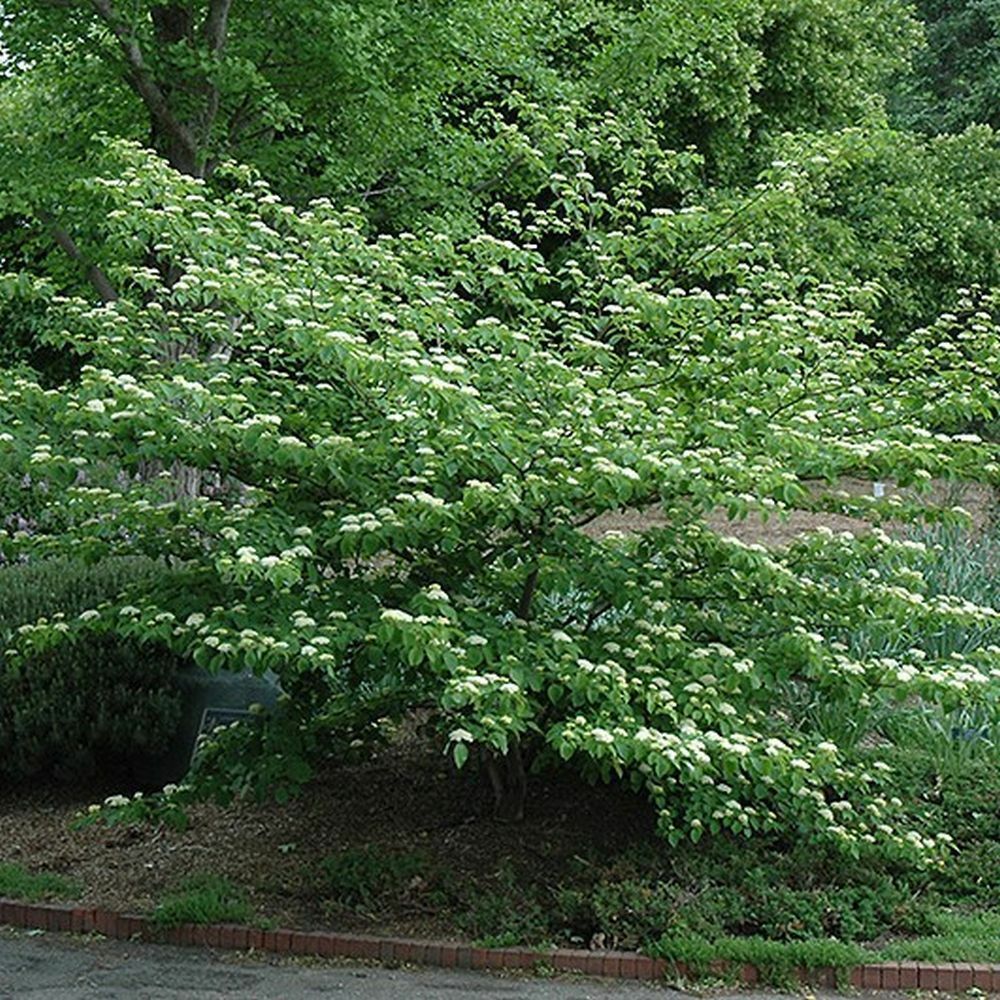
957, 937
16, 882
957, 562
204, 899
777, 962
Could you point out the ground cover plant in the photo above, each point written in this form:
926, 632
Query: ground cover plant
17, 883
204, 899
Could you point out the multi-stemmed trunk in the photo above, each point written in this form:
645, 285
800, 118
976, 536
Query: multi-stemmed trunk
507, 773
509, 782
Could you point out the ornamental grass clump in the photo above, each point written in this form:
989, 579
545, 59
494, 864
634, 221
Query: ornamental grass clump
385, 461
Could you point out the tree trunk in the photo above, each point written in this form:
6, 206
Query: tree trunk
173, 25
510, 784
506, 771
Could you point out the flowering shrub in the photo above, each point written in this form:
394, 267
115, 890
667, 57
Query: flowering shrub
384, 462
166, 807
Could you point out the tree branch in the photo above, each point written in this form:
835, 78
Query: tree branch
95, 275
146, 86
215, 31
216, 25
527, 594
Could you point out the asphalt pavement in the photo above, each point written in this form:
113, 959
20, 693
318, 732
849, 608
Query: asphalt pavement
41, 966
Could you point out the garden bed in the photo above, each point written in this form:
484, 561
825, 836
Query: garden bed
405, 804
403, 846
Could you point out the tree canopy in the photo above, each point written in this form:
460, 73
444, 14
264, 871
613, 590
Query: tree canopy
400, 103
408, 434
955, 81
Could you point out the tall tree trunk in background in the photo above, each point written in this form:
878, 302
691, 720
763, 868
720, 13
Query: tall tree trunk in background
509, 782
182, 110
182, 113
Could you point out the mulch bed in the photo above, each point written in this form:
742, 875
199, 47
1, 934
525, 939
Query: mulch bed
980, 501
408, 799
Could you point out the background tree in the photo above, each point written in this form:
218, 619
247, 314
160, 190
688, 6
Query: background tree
956, 77
405, 107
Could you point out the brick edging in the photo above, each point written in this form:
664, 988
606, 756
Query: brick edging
948, 977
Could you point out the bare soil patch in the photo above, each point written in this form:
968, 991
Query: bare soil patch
980, 501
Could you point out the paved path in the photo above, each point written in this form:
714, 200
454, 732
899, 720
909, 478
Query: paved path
63, 967
39, 966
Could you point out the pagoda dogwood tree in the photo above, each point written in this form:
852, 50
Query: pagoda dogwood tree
407, 443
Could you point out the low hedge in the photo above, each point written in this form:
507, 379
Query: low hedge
82, 708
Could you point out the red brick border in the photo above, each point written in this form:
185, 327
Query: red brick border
946, 977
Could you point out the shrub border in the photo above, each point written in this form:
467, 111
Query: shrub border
949, 977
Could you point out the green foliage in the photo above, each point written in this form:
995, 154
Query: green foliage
777, 962
725, 888
275, 756
915, 217
963, 562
436, 113
65, 587
963, 800
18, 883
400, 104
377, 433
955, 80
362, 879
166, 806
93, 704
504, 912
270, 758
955, 936
204, 899
86, 708
940, 560
406, 434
